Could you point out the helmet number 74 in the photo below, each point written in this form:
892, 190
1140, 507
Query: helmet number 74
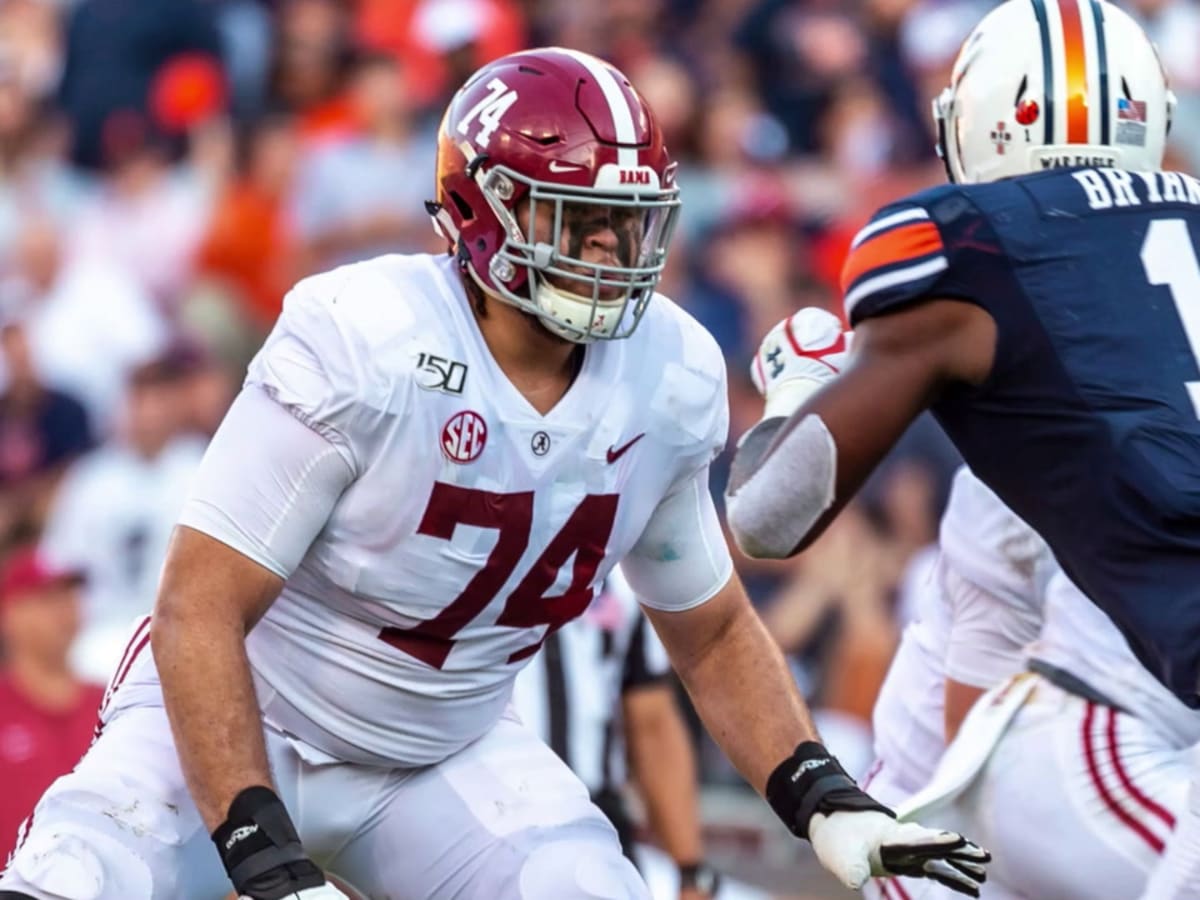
488, 111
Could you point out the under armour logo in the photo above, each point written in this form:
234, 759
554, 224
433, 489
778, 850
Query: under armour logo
776, 365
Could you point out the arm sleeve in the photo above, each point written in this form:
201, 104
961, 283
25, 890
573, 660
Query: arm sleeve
988, 634
267, 484
681, 559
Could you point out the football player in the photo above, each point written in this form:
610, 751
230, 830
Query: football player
996, 608
434, 462
1073, 770
972, 619
1044, 305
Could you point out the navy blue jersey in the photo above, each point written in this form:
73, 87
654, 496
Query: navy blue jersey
1089, 424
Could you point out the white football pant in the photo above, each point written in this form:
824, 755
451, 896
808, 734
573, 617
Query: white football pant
502, 818
889, 788
1076, 801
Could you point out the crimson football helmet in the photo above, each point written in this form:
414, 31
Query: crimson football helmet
537, 151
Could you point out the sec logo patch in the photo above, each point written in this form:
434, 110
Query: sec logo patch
464, 436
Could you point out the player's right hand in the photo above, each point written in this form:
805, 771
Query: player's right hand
798, 357
262, 853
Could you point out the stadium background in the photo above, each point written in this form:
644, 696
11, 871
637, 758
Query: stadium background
169, 167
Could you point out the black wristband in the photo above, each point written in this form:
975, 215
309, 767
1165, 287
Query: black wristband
811, 781
699, 876
260, 847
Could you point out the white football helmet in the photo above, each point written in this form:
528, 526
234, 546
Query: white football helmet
1046, 83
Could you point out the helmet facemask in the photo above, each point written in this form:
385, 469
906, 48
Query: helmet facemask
543, 272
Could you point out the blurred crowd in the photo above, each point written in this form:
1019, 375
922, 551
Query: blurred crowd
168, 168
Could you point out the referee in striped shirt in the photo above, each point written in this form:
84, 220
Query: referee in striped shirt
599, 694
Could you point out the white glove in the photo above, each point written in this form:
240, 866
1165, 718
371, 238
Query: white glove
799, 356
855, 846
322, 892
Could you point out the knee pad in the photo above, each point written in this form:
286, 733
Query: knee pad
75, 862
580, 870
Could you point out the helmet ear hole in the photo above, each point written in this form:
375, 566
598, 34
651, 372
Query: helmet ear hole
464, 208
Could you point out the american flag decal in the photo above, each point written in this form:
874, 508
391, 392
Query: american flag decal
1131, 110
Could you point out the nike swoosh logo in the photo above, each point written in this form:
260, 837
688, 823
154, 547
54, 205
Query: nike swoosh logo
557, 166
614, 455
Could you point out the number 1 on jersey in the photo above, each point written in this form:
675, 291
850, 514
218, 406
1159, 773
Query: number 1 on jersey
1169, 258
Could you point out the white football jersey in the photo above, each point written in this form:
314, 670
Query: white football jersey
575, 706
991, 546
907, 719
997, 568
988, 556
473, 523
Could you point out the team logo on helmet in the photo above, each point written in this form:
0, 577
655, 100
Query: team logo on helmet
1072, 80
1027, 112
1001, 137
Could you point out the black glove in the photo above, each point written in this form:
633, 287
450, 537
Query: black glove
261, 850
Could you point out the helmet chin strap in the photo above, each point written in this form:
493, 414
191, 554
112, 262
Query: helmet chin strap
546, 302
552, 300
475, 284
443, 224
941, 109
943, 151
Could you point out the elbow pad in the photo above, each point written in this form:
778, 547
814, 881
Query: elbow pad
779, 504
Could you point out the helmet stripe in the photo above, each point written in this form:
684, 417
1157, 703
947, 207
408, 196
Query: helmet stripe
1039, 11
618, 106
1076, 68
1102, 53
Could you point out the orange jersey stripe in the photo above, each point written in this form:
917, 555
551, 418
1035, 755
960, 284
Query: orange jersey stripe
1076, 67
906, 242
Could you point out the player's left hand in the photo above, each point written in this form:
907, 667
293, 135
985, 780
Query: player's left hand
798, 357
855, 846
262, 854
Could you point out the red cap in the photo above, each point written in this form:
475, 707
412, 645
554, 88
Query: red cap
187, 90
27, 570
